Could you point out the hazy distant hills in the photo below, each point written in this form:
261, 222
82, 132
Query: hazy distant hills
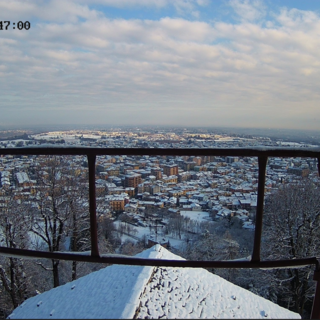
307, 136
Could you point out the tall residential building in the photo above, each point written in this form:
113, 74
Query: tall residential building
170, 170
117, 204
132, 180
188, 165
157, 173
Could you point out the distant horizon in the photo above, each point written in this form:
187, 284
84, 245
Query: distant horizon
67, 127
70, 125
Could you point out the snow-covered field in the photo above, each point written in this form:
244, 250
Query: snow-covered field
145, 231
196, 215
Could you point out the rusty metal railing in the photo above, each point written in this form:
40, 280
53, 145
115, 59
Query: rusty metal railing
261, 153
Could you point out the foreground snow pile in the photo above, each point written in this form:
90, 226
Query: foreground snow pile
153, 292
191, 294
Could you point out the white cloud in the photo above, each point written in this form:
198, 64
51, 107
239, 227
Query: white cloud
248, 10
182, 7
130, 3
117, 64
203, 2
298, 18
58, 10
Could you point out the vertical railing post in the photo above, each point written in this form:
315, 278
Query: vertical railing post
262, 160
92, 205
315, 314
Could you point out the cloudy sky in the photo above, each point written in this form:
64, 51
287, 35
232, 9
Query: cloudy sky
175, 62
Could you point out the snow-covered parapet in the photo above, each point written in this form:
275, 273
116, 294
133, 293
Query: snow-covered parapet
121, 291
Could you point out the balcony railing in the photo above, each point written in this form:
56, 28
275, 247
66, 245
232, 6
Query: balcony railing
262, 154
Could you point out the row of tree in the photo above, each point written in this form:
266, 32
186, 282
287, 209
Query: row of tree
55, 218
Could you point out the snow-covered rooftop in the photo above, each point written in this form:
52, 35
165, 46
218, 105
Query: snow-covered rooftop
120, 291
22, 177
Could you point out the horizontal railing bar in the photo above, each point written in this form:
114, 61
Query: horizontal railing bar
241, 152
270, 264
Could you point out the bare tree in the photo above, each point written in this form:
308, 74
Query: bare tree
292, 229
14, 276
130, 248
176, 225
62, 211
109, 232
213, 247
79, 220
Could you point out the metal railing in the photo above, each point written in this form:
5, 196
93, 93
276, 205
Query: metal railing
262, 154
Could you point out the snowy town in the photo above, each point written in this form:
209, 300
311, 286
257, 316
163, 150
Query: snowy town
139, 193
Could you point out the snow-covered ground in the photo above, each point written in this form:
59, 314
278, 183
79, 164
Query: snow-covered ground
248, 225
122, 292
145, 231
196, 215
140, 231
